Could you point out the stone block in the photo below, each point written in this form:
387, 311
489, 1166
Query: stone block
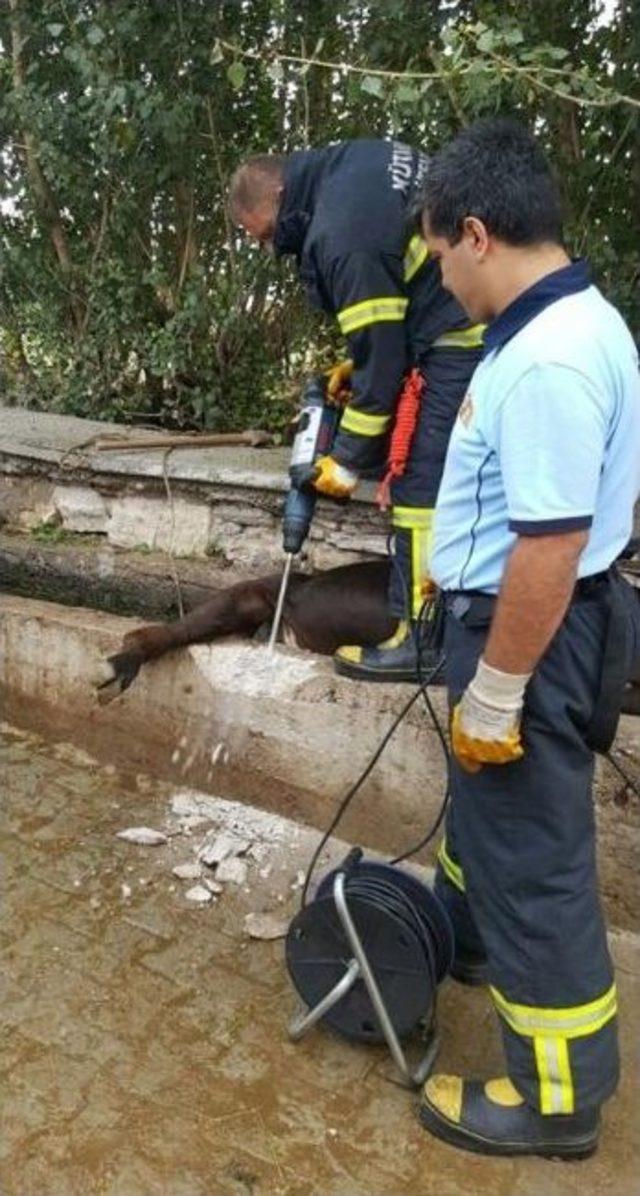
246, 514
183, 528
81, 509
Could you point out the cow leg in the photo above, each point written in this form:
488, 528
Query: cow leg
238, 610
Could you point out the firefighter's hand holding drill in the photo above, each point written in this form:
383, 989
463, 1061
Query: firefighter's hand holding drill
485, 727
333, 479
339, 382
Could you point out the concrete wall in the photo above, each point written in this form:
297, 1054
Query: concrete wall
286, 734
221, 503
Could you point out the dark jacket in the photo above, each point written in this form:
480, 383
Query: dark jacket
345, 216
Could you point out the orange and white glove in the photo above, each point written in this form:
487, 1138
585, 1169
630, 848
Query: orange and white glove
485, 726
339, 382
334, 479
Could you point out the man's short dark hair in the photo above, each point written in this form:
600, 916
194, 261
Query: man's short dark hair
496, 171
253, 180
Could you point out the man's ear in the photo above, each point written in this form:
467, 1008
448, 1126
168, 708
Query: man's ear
476, 235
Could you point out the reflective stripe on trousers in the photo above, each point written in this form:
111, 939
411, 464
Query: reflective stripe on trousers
413, 542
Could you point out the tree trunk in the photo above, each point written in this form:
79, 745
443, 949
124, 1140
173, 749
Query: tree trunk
44, 198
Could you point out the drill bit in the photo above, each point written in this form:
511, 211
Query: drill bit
275, 627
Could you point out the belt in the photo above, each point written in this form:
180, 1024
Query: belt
478, 603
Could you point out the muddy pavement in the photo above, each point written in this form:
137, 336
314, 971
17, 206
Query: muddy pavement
144, 1048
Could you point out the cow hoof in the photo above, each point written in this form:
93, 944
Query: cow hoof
114, 674
103, 673
106, 682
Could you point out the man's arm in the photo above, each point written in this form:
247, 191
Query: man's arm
535, 593
550, 437
370, 301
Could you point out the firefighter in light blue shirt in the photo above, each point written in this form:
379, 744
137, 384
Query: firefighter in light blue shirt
536, 504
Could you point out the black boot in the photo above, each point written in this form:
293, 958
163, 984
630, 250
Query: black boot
395, 659
493, 1119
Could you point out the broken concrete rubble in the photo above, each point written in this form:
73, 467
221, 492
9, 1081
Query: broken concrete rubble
217, 847
144, 836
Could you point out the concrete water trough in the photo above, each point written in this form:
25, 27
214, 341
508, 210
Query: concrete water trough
90, 529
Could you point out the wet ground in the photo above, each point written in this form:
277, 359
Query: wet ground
144, 1046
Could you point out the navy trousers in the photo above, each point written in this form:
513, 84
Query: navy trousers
517, 867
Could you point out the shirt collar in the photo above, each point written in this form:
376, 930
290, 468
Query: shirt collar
565, 281
302, 174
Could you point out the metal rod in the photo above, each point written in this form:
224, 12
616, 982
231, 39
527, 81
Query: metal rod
301, 1022
386, 1024
275, 626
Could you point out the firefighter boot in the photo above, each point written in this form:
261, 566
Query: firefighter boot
493, 1119
395, 659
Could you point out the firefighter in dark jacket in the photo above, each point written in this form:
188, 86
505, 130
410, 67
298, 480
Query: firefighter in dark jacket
344, 212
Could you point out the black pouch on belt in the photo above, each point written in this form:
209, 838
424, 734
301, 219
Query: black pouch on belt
614, 673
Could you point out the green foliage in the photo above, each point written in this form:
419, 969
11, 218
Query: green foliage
125, 293
49, 533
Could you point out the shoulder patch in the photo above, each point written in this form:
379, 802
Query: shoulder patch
465, 414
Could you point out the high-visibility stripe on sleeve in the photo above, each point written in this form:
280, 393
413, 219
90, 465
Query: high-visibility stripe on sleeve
372, 311
413, 518
554, 1073
415, 256
574, 1021
452, 871
461, 338
361, 423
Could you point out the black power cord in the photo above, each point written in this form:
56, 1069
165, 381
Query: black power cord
430, 610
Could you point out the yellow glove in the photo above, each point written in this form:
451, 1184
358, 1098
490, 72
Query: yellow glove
339, 382
485, 727
333, 479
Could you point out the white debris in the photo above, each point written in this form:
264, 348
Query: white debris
193, 822
187, 802
232, 869
265, 872
199, 894
252, 670
298, 882
237, 817
126, 891
265, 926
216, 848
217, 752
146, 836
187, 871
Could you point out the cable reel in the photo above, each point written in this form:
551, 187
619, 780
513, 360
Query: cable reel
367, 954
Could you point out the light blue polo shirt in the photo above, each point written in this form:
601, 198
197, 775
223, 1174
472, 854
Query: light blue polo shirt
547, 439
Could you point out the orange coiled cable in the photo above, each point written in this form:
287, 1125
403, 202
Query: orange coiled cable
402, 435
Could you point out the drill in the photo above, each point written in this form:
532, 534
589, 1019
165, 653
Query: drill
315, 432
